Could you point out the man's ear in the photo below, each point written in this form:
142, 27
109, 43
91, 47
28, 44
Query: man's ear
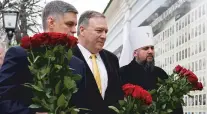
50, 22
135, 53
81, 29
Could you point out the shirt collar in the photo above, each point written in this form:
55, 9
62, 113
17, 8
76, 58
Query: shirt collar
87, 53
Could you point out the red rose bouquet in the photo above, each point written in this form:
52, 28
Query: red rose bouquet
170, 91
53, 82
136, 100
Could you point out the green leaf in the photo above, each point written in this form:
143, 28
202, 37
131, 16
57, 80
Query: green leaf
48, 92
37, 88
114, 109
170, 91
52, 99
169, 110
76, 77
58, 66
164, 106
121, 102
39, 84
175, 86
61, 101
152, 91
57, 87
69, 83
74, 112
34, 106
36, 59
69, 54
159, 80
52, 58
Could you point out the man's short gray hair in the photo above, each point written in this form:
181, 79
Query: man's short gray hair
84, 18
56, 8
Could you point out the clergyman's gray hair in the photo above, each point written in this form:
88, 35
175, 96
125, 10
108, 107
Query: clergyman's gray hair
84, 18
55, 9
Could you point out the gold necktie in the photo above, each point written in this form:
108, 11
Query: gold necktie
96, 72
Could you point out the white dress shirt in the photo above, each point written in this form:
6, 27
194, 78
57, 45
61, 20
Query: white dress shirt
102, 69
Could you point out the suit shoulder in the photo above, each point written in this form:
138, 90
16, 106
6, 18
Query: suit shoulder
162, 73
159, 69
17, 51
124, 69
110, 54
77, 60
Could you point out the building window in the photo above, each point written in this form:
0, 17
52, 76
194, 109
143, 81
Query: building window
183, 54
203, 9
204, 99
177, 27
176, 57
185, 101
186, 38
199, 30
200, 99
192, 100
204, 81
200, 49
196, 29
196, 49
188, 18
200, 11
192, 17
186, 53
189, 52
196, 100
200, 64
204, 63
192, 33
204, 29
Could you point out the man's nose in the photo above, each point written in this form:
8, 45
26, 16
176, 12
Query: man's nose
103, 35
73, 30
150, 50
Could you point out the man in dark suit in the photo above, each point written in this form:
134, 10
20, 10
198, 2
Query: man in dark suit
141, 70
58, 16
102, 86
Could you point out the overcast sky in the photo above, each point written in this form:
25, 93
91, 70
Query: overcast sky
83, 5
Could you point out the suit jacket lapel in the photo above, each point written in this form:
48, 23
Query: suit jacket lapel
107, 64
90, 80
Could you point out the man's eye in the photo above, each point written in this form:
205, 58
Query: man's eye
146, 48
99, 31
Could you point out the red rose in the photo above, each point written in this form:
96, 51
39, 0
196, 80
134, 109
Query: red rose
142, 94
128, 89
187, 73
177, 69
198, 86
148, 100
137, 93
35, 42
25, 42
58, 38
192, 78
183, 71
72, 41
42, 37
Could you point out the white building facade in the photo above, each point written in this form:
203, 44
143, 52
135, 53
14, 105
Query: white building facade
180, 34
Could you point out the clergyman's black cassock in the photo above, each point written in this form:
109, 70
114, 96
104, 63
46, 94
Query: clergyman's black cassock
135, 73
89, 96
